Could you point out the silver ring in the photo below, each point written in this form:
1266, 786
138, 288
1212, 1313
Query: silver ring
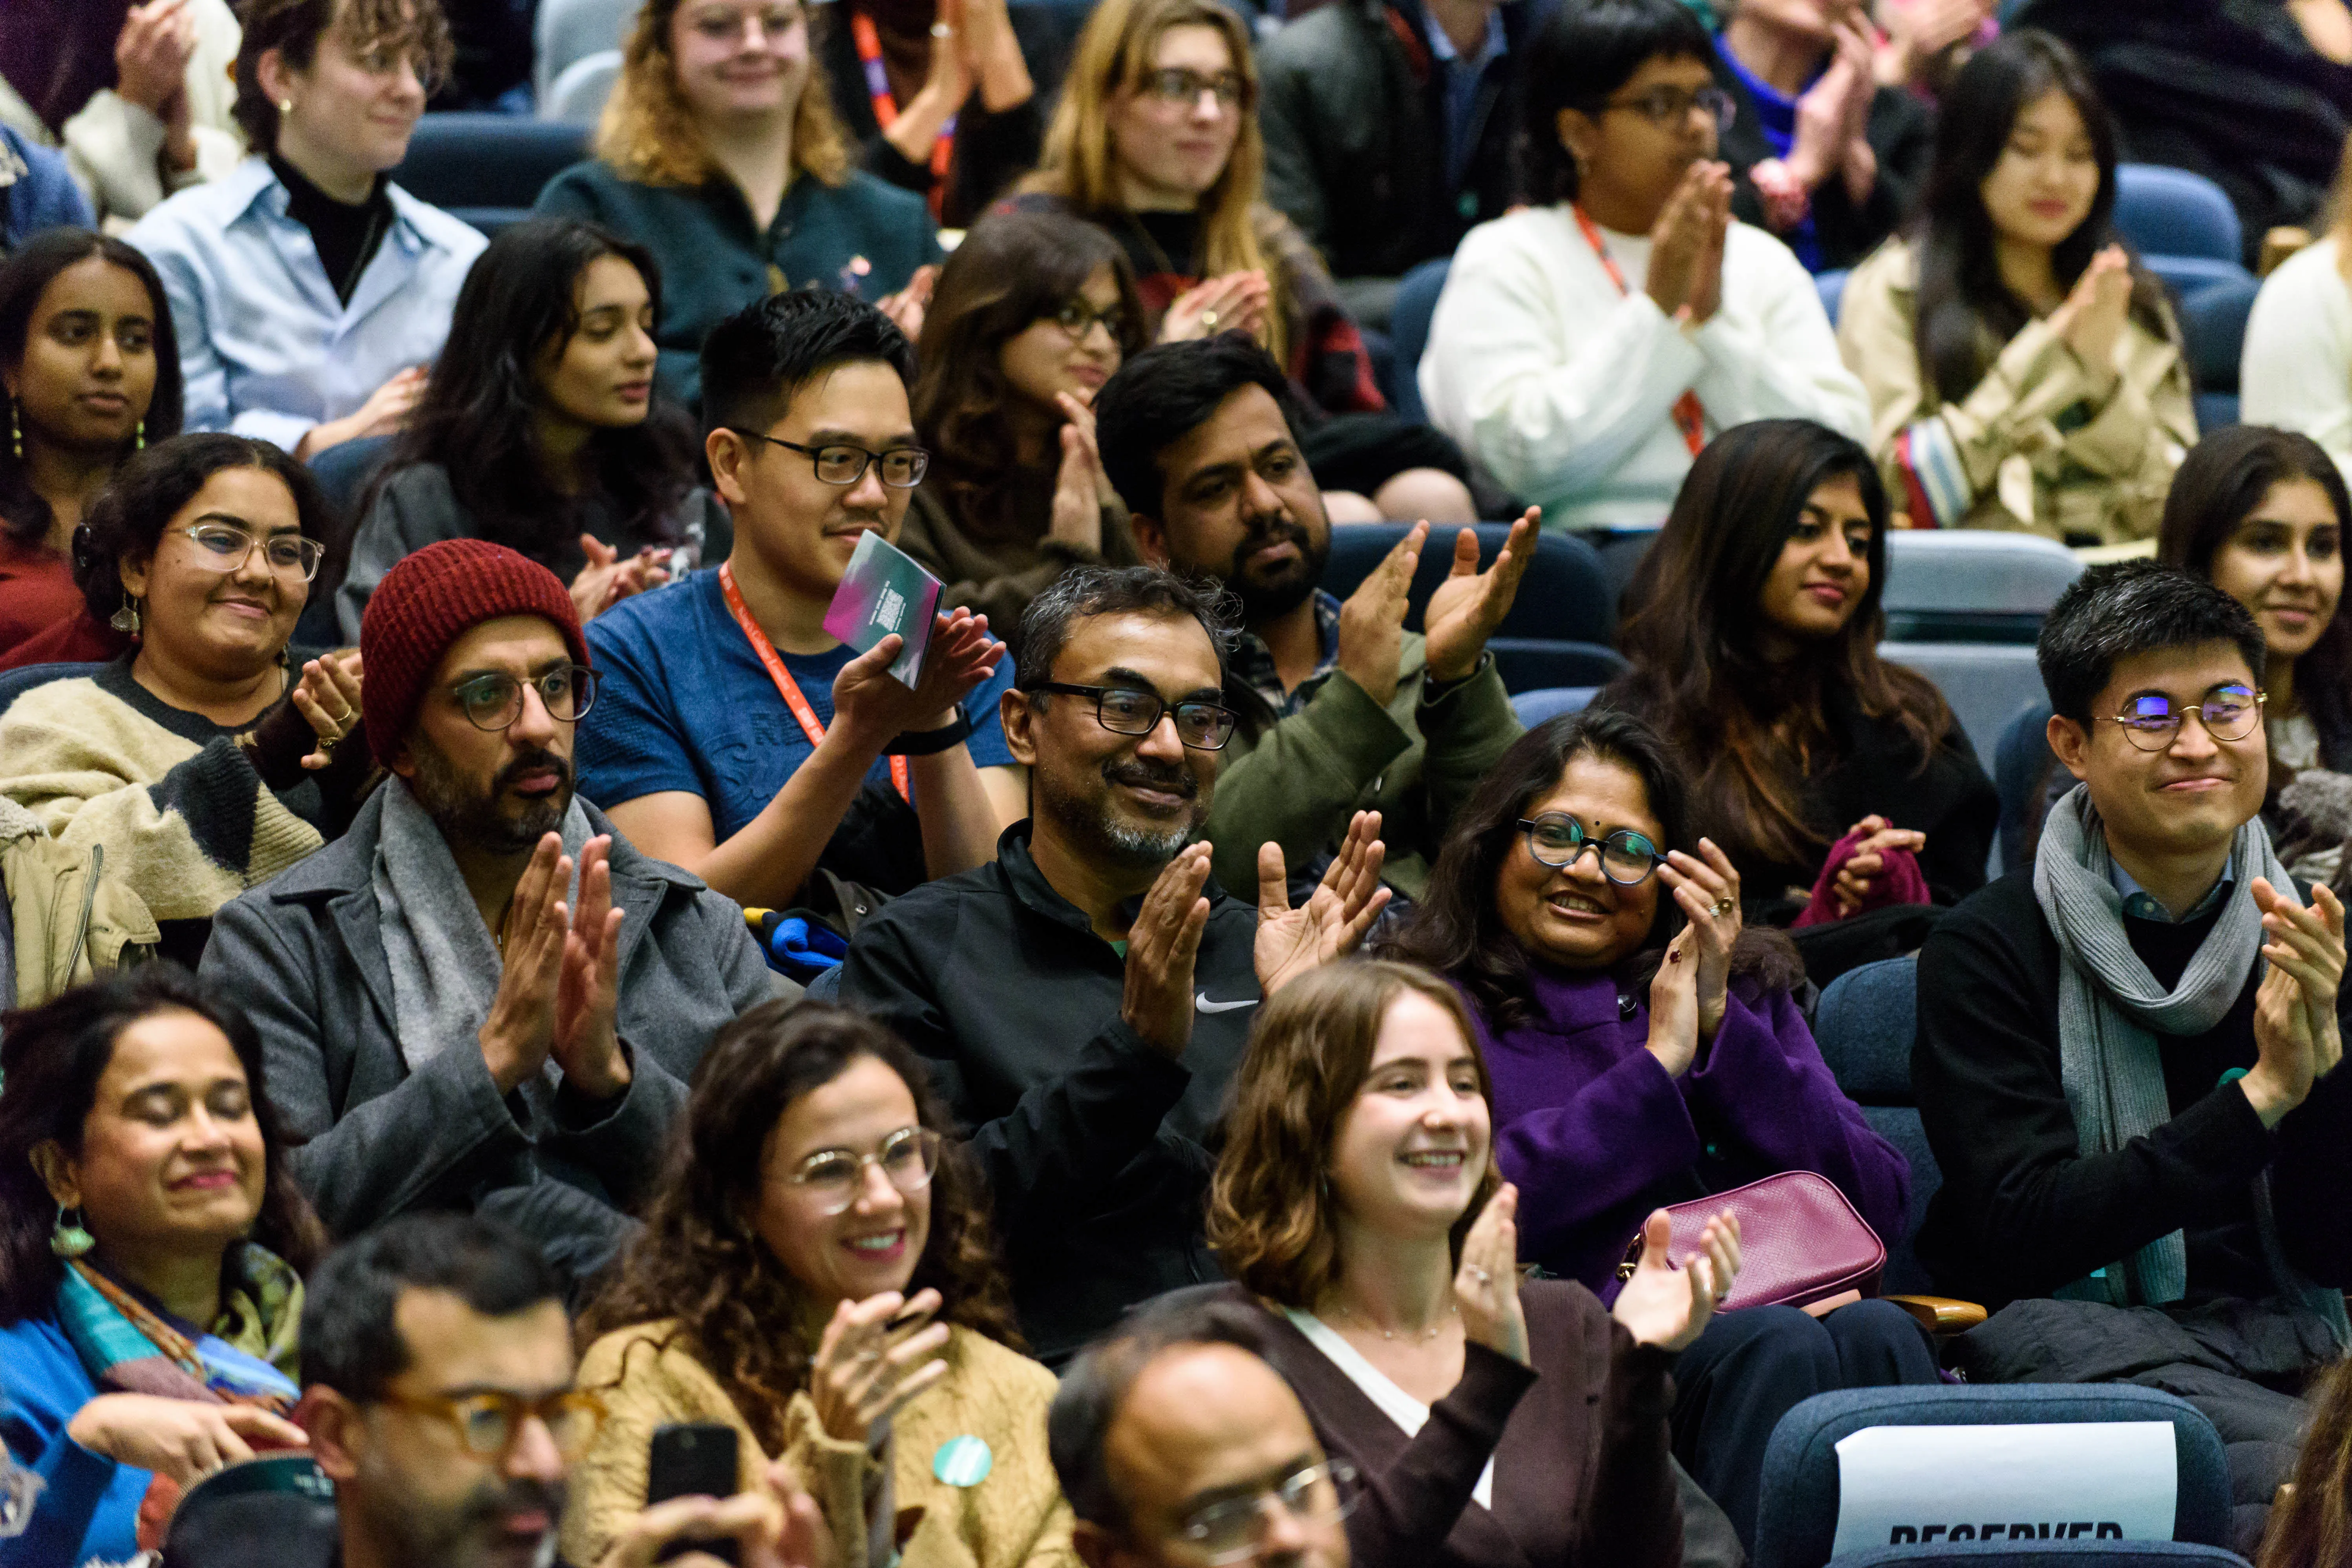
1480, 1275
941, 30
1208, 318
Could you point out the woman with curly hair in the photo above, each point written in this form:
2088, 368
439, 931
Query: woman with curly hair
817, 1270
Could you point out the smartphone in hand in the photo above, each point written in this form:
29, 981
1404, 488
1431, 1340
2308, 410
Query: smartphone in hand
693, 1458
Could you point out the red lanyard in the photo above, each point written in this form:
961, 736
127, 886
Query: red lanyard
783, 678
886, 107
1689, 417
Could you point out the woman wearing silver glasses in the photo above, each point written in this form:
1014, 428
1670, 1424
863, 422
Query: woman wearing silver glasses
1644, 1050
205, 760
818, 1272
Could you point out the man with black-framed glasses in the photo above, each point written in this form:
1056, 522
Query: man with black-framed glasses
2128, 1052
482, 997
1085, 999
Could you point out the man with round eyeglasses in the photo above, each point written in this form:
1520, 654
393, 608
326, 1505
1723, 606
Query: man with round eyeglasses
2128, 1052
483, 996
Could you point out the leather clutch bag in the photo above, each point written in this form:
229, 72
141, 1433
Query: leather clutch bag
1800, 1243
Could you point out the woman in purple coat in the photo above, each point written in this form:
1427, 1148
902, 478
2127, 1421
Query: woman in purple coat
1644, 1050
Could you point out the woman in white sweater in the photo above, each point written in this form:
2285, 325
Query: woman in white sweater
2295, 372
1587, 349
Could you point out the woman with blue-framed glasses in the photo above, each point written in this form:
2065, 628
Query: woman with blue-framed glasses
1645, 1049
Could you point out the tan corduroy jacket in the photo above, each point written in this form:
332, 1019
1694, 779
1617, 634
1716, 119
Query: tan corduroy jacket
1013, 1518
2026, 450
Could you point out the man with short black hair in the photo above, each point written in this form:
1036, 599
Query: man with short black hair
1341, 708
1173, 1436
2128, 1052
1084, 999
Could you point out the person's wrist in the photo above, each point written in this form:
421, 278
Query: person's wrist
2270, 1098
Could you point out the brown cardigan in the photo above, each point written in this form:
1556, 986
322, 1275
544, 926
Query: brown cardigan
1582, 1474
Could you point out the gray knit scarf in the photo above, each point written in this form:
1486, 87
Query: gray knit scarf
2110, 1013
445, 966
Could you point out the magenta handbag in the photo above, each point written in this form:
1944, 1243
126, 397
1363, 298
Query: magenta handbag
1799, 1242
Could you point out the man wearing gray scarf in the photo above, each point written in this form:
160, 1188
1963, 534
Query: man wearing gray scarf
2128, 1051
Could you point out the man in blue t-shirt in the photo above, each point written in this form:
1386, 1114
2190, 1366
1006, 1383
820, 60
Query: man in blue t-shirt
732, 734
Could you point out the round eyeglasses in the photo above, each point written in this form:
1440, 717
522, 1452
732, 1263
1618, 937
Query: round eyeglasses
222, 548
1667, 107
1077, 320
834, 1177
1556, 839
489, 1424
494, 701
1230, 1529
2228, 714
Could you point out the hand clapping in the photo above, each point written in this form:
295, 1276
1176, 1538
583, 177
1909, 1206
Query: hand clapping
1668, 1307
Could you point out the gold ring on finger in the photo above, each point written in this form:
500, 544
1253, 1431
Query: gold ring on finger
1725, 906
1208, 318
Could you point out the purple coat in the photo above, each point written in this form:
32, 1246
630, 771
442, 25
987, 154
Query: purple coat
1595, 1134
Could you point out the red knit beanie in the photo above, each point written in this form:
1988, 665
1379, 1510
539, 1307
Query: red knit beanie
430, 599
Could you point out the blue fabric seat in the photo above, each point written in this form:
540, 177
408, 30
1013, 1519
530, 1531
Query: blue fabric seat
1865, 1023
487, 169
1831, 286
1534, 708
2023, 768
342, 471
15, 683
2213, 330
1416, 303
1797, 1524
2162, 211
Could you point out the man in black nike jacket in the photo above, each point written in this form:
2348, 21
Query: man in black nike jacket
1084, 999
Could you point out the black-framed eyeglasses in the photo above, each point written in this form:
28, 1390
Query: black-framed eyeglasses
1122, 710
837, 463
494, 701
1182, 88
1667, 107
221, 547
908, 1157
2228, 712
1556, 839
1077, 319
489, 1424
1229, 1529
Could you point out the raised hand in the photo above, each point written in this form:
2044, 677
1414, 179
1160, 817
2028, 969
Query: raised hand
1668, 1307
328, 695
1230, 302
1161, 946
1675, 240
906, 309
610, 577
521, 1030
183, 1439
1707, 890
588, 991
1868, 862
2096, 310
876, 1355
1333, 921
1371, 619
1673, 1008
150, 57
2295, 1032
1714, 219
1486, 1285
1077, 516
776, 1525
1470, 603
877, 707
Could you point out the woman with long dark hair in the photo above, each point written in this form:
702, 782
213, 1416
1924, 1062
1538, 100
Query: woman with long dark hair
1032, 314
2025, 373
1644, 1048
1836, 782
91, 373
152, 1248
817, 1261
547, 434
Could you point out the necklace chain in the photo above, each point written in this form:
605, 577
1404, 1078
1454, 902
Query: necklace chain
1391, 1334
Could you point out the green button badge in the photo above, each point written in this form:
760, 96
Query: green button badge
962, 1461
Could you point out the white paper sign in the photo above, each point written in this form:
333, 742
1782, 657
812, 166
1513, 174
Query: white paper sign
2108, 1480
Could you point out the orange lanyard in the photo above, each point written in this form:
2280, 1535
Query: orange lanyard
1690, 418
886, 107
783, 678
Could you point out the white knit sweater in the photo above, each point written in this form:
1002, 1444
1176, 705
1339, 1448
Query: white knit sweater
1565, 388
2295, 371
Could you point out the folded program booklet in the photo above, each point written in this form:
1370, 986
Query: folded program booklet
885, 591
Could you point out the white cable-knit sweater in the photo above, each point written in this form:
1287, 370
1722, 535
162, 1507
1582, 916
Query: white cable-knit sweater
2295, 371
1566, 389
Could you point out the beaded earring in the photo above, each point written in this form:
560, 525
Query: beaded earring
139, 437
126, 619
70, 1240
16, 432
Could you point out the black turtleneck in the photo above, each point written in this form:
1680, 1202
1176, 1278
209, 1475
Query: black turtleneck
347, 235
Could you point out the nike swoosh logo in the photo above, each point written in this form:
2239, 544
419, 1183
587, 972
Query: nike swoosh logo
1201, 1001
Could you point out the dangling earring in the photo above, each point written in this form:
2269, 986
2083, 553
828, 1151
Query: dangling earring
70, 1240
126, 619
16, 432
139, 437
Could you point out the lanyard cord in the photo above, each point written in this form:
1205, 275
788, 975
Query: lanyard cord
783, 678
885, 106
1690, 418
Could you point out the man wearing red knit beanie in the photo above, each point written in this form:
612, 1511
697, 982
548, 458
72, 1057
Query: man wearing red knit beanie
482, 996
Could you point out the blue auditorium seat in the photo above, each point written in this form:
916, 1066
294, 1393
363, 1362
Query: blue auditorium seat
1416, 303
487, 169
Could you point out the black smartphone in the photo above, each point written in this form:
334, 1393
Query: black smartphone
693, 1458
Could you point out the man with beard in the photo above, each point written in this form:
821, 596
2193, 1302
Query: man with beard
440, 1402
1084, 999
1341, 708
482, 996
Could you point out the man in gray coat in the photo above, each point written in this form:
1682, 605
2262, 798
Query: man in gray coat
481, 998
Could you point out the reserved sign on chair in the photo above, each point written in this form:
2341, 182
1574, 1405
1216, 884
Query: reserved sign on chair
1900, 1486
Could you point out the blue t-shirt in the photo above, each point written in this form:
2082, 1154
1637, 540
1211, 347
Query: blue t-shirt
684, 704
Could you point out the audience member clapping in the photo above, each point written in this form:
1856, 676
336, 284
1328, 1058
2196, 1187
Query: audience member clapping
91, 370
138, 96
546, 435
1032, 315
817, 1272
1837, 783
1644, 1046
205, 760
2128, 1052
309, 291
2025, 373
1157, 138
1179, 1445
1085, 997
2261, 514
1356, 1198
719, 153
1585, 349
482, 995
1341, 708
151, 1240
442, 1403
1822, 155
2296, 367
1923, 44
740, 738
